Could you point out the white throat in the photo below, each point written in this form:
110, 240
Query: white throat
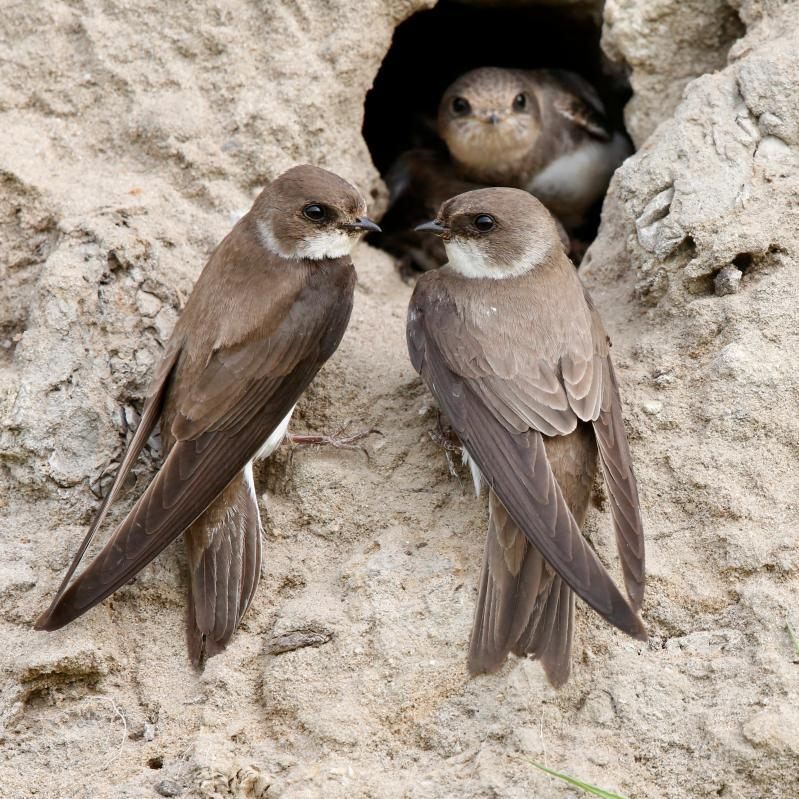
468, 259
330, 244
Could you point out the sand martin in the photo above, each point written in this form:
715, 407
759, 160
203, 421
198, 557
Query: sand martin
269, 308
544, 131
507, 339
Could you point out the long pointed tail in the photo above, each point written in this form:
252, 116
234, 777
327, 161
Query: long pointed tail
523, 606
224, 552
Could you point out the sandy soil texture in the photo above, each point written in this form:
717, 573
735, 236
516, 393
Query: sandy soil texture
131, 135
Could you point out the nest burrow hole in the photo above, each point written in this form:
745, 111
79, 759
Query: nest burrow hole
432, 48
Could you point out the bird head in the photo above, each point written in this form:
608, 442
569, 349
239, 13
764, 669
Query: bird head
309, 212
489, 119
495, 233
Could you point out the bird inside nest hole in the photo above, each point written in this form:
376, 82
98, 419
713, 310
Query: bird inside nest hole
546, 117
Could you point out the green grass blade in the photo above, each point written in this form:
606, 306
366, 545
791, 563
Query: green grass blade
794, 639
592, 789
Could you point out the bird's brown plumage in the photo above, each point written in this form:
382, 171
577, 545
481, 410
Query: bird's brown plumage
256, 329
520, 365
561, 112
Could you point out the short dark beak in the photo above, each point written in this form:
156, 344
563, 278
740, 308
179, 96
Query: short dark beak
493, 118
362, 223
432, 227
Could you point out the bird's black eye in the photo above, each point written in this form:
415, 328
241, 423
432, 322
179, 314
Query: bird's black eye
520, 102
484, 222
460, 105
314, 212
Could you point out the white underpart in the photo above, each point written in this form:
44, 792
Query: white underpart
467, 257
248, 479
477, 475
579, 177
325, 244
275, 438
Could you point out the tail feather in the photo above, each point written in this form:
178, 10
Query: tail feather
224, 549
548, 636
509, 584
522, 607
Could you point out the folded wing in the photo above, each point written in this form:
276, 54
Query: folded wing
499, 403
222, 420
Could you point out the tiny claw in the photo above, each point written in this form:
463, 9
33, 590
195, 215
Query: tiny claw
448, 441
335, 440
446, 438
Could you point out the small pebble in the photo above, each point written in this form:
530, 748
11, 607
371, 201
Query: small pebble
149, 731
728, 280
652, 407
298, 639
665, 379
168, 788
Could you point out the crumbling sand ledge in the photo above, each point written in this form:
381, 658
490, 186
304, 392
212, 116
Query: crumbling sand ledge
129, 137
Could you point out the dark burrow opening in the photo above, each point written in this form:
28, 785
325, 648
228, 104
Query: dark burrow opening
432, 48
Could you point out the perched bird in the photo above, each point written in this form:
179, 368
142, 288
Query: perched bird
508, 341
542, 130
270, 307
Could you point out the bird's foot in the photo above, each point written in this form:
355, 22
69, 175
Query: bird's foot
446, 438
337, 439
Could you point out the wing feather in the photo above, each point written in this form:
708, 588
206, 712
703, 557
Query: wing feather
518, 471
243, 396
500, 421
614, 455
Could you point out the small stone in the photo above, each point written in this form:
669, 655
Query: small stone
776, 730
298, 639
132, 418
652, 407
149, 732
666, 378
168, 788
148, 304
599, 758
599, 708
728, 281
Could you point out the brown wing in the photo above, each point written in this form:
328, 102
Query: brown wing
617, 467
219, 431
577, 100
153, 408
523, 387
498, 421
523, 606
